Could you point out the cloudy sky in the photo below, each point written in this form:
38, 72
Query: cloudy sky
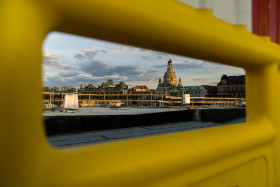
73, 60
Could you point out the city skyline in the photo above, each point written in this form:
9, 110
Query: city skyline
73, 60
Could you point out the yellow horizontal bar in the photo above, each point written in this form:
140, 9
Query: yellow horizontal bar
158, 158
167, 26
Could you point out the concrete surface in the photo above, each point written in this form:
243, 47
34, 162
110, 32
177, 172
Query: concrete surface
97, 111
78, 139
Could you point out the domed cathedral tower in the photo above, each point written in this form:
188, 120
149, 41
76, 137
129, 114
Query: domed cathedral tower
170, 78
110, 83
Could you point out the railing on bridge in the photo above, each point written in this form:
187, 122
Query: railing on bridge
145, 99
235, 155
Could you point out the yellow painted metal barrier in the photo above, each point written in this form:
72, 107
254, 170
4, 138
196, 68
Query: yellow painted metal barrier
245, 154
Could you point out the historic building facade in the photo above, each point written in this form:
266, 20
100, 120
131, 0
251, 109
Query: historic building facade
194, 91
231, 86
143, 92
89, 88
169, 86
109, 88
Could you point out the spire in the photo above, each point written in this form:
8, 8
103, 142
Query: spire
180, 81
159, 82
169, 65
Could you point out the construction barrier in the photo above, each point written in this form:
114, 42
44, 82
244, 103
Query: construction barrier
235, 155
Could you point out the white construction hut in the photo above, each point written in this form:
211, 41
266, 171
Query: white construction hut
71, 102
186, 99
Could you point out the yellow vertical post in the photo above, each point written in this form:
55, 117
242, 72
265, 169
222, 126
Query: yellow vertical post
249, 159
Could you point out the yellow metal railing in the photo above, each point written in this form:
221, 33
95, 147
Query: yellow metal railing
236, 155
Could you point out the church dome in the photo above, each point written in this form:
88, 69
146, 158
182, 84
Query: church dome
110, 83
170, 78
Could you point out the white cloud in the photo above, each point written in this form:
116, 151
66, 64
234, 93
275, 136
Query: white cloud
52, 61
